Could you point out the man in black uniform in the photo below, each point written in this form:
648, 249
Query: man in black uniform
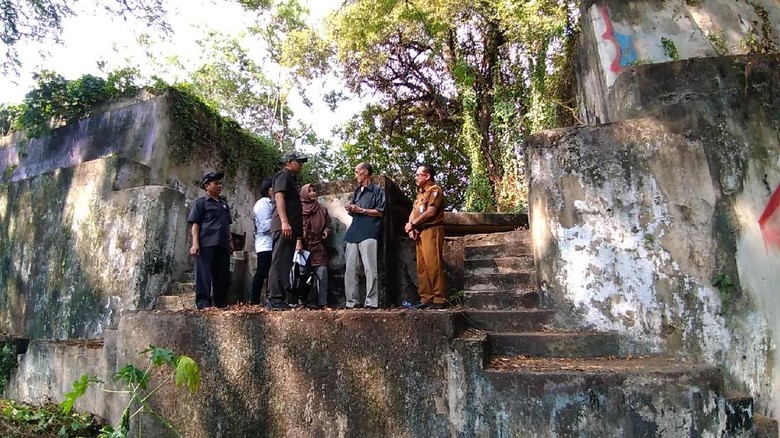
211, 243
286, 228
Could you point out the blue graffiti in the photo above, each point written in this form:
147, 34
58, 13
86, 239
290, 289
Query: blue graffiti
627, 52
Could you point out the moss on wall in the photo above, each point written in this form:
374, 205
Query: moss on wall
198, 129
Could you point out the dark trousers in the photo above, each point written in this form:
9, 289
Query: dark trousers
263, 266
212, 272
281, 263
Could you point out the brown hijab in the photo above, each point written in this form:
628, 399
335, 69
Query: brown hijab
314, 216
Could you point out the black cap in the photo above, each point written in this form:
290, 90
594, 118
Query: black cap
294, 156
211, 176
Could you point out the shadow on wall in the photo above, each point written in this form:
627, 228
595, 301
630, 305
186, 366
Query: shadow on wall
322, 374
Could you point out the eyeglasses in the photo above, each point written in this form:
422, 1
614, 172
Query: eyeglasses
419, 174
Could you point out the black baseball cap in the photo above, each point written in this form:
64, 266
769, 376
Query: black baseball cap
294, 156
211, 176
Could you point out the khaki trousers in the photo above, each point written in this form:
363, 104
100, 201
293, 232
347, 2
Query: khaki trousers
430, 273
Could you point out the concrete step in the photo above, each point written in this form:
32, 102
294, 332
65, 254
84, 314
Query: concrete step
498, 265
508, 320
765, 427
181, 288
513, 249
175, 302
187, 276
519, 235
501, 299
739, 412
554, 344
510, 281
607, 397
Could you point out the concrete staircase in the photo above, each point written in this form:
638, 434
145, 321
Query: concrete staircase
181, 295
578, 380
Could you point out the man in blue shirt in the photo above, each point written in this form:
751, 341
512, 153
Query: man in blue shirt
211, 243
367, 208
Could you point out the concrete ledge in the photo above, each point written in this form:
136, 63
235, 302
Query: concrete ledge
460, 224
364, 373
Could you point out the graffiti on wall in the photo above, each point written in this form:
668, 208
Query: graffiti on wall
770, 221
624, 47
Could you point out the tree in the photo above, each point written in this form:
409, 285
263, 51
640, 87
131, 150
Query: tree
39, 20
483, 73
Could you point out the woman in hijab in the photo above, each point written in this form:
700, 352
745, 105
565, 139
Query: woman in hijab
316, 228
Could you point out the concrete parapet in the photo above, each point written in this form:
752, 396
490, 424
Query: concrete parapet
372, 373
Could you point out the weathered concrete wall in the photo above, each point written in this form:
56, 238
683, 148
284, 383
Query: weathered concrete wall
355, 374
76, 252
93, 219
653, 227
618, 35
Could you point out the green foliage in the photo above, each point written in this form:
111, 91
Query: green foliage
187, 373
196, 127
725, 286
21, 420
481, 74
80, 387
232, 82
395, 144
762, 43
7, 363
718, 43
39, 20
131, 375
55, 101
670, 50
137, 384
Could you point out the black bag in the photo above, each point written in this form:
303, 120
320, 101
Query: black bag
301, 280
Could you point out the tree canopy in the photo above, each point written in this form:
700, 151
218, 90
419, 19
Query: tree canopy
456, 83
38, 20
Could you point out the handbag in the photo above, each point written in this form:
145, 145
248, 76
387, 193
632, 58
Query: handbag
301, 278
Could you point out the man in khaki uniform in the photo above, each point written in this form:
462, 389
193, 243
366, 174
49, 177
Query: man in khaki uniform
426, 226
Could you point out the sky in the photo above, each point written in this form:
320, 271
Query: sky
92, 36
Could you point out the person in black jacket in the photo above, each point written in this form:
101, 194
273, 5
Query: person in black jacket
286, 228
211, 243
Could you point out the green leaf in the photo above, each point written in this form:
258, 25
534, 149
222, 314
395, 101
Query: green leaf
79, 388
131, 375
159, 356
187, 373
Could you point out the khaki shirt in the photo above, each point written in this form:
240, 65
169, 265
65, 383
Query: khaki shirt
431, 195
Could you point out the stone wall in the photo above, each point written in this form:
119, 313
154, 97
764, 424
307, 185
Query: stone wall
352, 373
664, 228
93, 219
618, 35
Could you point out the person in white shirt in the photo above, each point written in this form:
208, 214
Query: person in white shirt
263, 211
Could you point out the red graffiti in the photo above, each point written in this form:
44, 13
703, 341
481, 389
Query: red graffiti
770, 222
609, 35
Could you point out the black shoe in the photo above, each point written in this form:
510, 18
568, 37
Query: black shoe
371, 307
273, 305
437, 306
